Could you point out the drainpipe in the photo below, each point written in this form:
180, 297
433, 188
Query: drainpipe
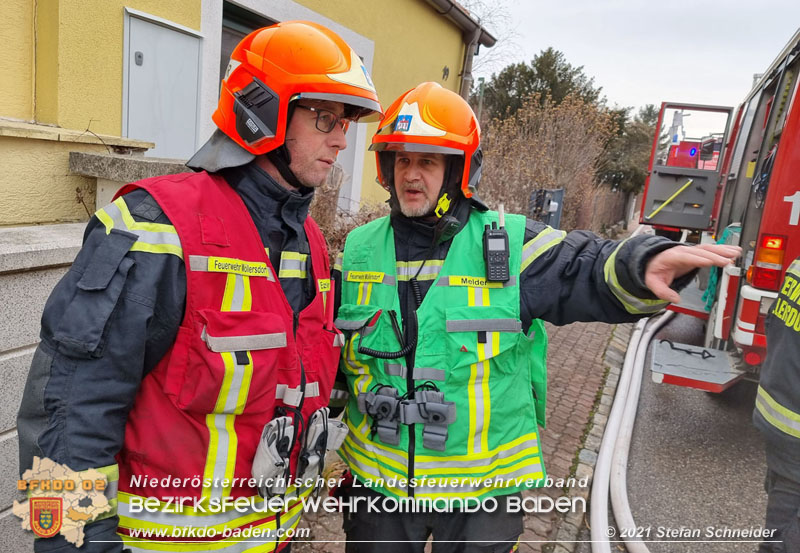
469, 54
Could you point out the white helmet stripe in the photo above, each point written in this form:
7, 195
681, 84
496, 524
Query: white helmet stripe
357, 75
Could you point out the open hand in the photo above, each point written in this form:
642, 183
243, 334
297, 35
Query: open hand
675, 262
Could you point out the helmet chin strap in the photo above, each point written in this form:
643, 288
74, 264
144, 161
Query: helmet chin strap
281, 158
452, 208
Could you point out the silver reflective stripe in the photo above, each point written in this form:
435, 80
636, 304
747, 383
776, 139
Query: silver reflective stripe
387, 279
428, 373
536, 247
243, 343
484, 325
445, 281
339, 394
408, 269
479, 406
481, 296
312, 389
111, 490
395, 369
338, 340
350, 325
114, 212
293, 396
198, 263
337, 264
293, 265
782, 418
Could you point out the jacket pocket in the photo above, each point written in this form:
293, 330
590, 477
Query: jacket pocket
480, 333
367, 327
233, 357
82, 329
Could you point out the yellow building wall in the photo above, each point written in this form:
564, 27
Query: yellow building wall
71, 78
36, 186
79, 74
16, 59
413, 43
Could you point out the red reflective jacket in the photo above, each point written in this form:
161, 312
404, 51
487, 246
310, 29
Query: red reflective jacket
240, 358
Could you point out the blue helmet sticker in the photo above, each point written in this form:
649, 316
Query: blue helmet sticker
403, 123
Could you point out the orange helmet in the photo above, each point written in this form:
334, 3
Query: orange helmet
275, 65
429, 118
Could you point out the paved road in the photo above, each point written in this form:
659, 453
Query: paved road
696, 461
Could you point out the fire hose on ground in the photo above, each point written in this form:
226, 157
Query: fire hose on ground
612, 460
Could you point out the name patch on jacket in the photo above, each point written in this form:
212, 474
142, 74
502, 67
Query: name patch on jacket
238, 266
477, 282
364, 276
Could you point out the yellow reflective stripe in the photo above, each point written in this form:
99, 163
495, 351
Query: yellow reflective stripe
364, 380
151, 237
111, 472
777, 415
364, 293
132, 224
436, 460
232, 398
370, 451
294, 256
631, 303
106, 219
227, 297
337, 263
475, 472
543, 241
363, 467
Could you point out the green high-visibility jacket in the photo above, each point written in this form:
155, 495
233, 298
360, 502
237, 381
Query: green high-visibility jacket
475, 368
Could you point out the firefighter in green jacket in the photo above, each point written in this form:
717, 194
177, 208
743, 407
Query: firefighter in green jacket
777, 416
442, 304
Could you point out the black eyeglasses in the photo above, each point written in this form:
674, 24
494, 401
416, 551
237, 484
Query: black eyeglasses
327, 120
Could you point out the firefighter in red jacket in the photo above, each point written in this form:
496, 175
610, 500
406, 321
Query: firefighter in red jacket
190, 350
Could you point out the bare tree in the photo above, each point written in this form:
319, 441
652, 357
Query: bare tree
545, 145
495, 17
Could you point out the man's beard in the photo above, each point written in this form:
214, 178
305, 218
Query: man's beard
419, 210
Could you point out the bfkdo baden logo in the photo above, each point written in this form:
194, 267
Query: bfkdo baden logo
46, 516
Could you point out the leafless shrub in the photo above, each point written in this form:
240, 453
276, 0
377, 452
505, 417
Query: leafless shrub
545, 145
334, 222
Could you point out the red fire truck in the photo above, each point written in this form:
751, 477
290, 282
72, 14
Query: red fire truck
750, 198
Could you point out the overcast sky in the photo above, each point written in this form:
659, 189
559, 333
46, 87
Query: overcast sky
645, 52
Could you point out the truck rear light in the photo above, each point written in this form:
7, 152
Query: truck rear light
752, 358
766, 270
